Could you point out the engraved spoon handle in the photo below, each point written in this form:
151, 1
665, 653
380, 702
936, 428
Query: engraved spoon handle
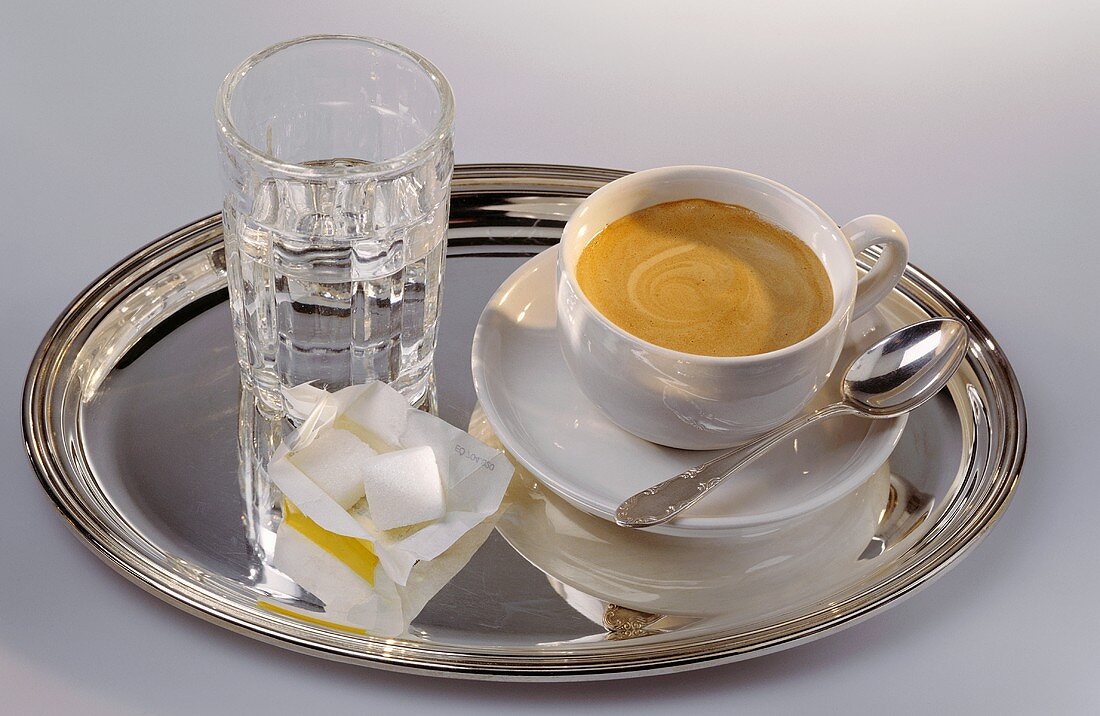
660, 503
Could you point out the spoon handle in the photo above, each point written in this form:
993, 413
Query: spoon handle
660, 503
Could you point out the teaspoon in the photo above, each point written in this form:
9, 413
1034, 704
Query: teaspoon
892, 377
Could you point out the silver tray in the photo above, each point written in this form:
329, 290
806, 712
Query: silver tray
130, 414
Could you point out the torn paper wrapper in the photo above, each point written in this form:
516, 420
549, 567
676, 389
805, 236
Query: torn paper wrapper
381, 608
474, 478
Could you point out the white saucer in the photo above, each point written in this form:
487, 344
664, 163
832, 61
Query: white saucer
549, 426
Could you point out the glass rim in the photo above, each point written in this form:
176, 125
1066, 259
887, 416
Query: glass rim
228, 130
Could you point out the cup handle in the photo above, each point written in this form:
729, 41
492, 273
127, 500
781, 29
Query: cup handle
876, 284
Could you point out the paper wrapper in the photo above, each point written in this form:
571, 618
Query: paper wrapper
413, 562
382, 608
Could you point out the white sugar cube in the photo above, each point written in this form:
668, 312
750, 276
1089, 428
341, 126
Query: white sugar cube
335, 460
403, 488
381, 411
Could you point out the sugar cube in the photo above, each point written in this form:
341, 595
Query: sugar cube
380, 411
334, 460
403, 488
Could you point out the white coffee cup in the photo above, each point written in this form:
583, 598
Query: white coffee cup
704, 402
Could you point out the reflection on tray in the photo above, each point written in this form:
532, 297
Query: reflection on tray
666, 582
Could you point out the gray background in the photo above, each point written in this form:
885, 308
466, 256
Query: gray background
976, 126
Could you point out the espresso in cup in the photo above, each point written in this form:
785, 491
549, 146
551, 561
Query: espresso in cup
670, 358
706, 278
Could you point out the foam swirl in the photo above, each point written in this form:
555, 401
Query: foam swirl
707, 278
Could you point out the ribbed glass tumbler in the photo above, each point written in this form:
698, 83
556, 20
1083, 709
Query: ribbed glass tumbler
337, 159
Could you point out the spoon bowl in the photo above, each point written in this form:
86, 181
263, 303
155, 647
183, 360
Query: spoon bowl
906, 368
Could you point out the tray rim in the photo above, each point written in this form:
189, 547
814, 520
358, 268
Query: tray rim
96, 299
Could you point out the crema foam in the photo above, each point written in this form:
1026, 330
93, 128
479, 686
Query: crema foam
706, 278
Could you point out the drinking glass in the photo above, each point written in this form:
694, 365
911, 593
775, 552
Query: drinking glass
337, 158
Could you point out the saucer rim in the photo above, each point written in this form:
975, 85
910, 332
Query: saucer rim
890, 429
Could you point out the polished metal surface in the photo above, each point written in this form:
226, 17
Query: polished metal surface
899, 373
906, 368
130, 415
